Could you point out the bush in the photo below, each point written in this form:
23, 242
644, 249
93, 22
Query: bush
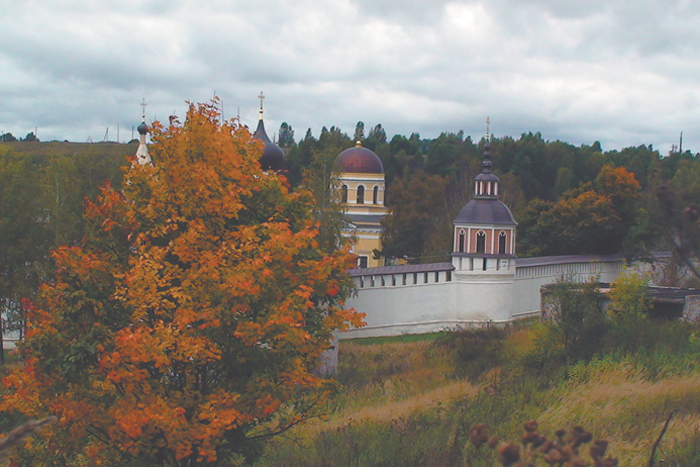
476, 350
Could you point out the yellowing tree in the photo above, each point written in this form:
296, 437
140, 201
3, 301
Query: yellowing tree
190, 321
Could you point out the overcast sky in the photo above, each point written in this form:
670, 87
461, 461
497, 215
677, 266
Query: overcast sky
622, 72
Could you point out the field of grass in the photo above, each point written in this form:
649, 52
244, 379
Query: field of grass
413, 402
58, 148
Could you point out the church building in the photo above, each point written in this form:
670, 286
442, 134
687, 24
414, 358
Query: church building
362, 194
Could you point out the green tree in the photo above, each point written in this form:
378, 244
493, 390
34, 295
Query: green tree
24, 236
359, 132
576, 323
321, 178
31, 137
630, 297
412, 201
286, 135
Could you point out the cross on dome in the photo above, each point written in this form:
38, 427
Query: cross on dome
143, 109
261, 97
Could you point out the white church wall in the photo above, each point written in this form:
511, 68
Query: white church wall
396, 310
533, 273
420, 302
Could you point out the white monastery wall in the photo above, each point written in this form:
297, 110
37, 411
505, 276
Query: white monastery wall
533, 273
428, 298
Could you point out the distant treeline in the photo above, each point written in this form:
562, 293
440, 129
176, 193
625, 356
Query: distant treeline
43, 187
567, 199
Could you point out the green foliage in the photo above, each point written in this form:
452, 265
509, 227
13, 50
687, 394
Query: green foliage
413, 203
321, 179
285, 136
630, 297
576, 320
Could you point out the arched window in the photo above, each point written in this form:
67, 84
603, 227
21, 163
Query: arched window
360, 195
345, 193
481, 242
375, 195
461, 241
502, 243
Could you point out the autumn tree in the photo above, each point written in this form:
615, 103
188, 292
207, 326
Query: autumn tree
189, 322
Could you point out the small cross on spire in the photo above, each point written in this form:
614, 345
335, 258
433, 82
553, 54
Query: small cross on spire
488, 133
143, 111
261, 97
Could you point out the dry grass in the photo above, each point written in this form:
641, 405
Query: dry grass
624, 407
387, 373
387, 412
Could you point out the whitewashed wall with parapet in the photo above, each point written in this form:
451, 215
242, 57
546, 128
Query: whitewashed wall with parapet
427, 298
410, 302
533, 273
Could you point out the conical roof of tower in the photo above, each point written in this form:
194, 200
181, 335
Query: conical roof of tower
485, 208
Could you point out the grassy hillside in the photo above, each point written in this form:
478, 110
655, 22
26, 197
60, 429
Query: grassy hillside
414, 402
57, 148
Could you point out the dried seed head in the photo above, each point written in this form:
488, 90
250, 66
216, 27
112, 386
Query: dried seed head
560, 433
508, 454
530, 426
598, 449
530, 437
553, 457
547, 446
607, 462
479, 434
492, 442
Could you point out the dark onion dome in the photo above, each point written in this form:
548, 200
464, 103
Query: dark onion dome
485, 211
359, 160
273, 156
142, 128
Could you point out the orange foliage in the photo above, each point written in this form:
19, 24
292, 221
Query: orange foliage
194, 312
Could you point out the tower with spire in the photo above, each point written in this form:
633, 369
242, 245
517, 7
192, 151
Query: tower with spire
272, 159
484, 230
483, 253
142, 156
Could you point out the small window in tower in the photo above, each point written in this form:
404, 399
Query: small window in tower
375, 195
484, 265
425, 277
404, 280
362, 261
461, 241
360, 195
345, 194
481, 242
502, 243
448, 276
